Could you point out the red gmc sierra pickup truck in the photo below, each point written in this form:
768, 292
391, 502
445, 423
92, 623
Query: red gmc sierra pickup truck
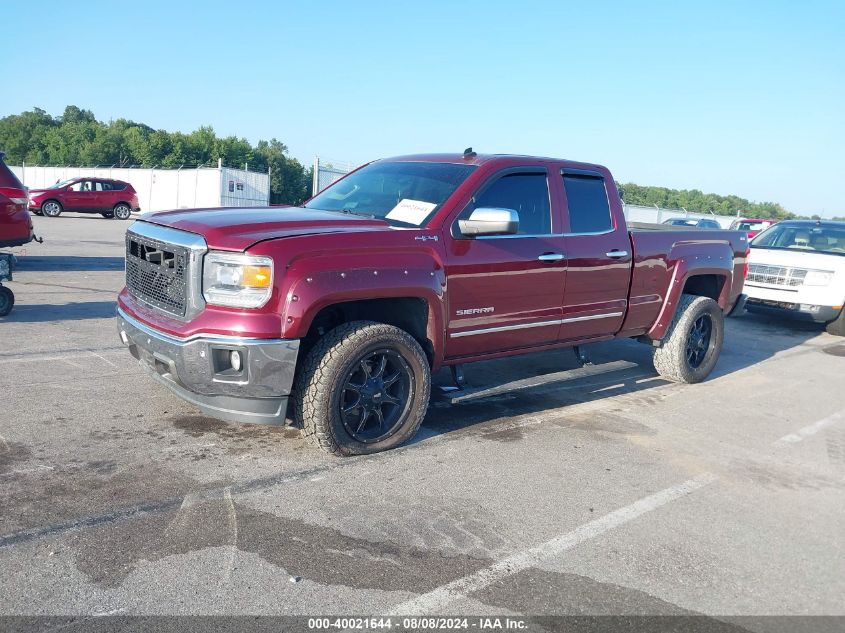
346, 305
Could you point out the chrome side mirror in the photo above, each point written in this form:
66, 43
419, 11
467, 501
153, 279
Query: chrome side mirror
490, 221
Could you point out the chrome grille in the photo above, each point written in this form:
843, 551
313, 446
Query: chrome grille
157, 273
776, 275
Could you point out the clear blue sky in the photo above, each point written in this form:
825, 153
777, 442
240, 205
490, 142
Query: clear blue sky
727, 97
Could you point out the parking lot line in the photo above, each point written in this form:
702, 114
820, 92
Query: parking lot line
811, 429
436, 599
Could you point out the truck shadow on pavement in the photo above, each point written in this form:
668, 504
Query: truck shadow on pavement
550, 384
67, 263
47, 312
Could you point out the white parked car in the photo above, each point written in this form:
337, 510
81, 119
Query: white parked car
797, 268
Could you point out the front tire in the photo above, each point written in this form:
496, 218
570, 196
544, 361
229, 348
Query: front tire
693, 342
122, 211
51, 209
837, 326
363, 388
7, 300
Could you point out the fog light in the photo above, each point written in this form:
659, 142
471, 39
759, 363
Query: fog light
235, 360
124, 338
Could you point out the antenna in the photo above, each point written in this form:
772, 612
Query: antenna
468, 153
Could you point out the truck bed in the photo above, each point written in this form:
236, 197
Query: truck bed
662, 256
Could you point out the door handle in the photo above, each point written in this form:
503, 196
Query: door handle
617, 254
550, 257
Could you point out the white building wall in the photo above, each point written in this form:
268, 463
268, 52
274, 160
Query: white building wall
163, 189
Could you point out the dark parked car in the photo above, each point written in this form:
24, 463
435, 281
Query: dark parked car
15, 222
702, 223
109, 198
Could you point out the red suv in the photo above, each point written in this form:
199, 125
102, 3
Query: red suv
15, 222
109, 198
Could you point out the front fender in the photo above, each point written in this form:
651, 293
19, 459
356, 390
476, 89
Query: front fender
317, 283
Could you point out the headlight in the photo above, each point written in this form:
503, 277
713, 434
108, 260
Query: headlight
241, 281
818, 277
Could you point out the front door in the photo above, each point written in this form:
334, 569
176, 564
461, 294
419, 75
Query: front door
598, 253
505, 292
80, 196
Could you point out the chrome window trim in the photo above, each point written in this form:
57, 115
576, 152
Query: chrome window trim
517, 235
197, 248
523, 326
610, 230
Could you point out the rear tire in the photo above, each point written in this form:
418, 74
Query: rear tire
7, 300
693, 342
837, 326
51, 209
363, 388
122, 212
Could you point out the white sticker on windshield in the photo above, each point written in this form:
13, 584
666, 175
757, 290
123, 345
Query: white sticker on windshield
411, 211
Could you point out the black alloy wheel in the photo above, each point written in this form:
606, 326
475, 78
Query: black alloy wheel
698, 341
376, 395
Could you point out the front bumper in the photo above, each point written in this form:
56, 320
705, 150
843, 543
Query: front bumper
800, 311
198, 369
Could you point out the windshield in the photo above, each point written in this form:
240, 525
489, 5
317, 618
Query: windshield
404, 194
803, 237
61, 184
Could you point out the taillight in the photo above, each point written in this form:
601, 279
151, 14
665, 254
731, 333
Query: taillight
745, 269
18, 196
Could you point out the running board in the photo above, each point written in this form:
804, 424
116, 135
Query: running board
471, 394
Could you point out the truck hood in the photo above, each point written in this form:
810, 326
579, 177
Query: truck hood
796, 259
236, 229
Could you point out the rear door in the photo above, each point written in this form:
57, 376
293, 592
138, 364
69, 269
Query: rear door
103, 195
505, 292
598, 255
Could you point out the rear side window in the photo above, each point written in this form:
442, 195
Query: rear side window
103, 186
117, 186
527, 194
589, 211
8, 178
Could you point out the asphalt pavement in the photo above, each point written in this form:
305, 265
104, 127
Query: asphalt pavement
557, 491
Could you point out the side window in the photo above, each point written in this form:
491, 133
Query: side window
116, 186
527, 194
77, 186
104, 186
589, 210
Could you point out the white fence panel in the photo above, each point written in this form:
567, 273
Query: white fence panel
327, 172
240, 188
655, 215
163, 189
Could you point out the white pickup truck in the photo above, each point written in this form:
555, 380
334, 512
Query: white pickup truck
797, 268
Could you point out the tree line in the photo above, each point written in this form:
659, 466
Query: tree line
78, 138
699, 202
